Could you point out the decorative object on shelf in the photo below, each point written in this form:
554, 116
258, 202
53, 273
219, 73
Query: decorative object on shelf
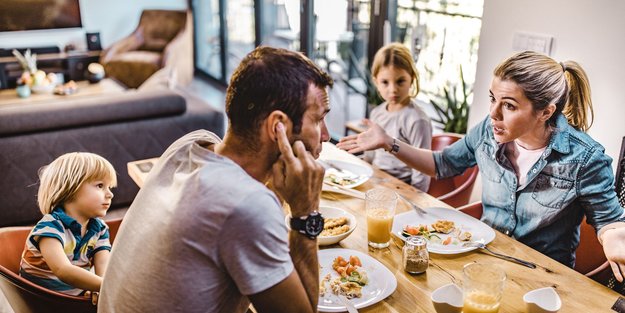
93, 41
95, 72
23, 91
66, 89
35, 79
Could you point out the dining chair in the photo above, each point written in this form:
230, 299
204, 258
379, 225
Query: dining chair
25, 296
455, 191
589, 257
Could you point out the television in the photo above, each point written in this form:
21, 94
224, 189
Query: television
17, 15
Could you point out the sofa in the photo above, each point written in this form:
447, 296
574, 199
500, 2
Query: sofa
121, 127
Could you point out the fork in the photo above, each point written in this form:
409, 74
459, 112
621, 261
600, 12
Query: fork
412, 204
499, 255
348, 304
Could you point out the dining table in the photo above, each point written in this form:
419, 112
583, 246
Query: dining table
577, 292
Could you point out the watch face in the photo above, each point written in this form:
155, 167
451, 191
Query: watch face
314, 224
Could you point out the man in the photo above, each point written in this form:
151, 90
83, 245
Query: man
205, 234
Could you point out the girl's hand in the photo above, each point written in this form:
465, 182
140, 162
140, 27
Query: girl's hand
373, 138
614, 249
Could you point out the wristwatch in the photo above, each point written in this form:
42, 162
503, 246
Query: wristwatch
394, 146
310, 225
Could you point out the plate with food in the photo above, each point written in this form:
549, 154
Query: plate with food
346, 174
446, 230
355, 275
337, 225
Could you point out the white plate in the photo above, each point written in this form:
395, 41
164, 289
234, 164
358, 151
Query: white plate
362, 171
331, 212
479, 231
382, 282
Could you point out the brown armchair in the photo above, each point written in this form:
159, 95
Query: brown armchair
161, 40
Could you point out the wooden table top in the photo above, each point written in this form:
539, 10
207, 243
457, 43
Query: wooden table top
578, 293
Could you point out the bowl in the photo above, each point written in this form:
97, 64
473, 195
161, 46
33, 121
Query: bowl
447, 299
42, 89
543, 300
332, 212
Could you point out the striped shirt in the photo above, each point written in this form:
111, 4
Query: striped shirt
79, 250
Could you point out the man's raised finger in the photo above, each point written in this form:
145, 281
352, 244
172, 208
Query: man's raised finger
283, 143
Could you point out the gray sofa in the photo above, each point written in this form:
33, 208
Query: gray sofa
123, 127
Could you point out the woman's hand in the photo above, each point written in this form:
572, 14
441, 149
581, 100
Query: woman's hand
296, 176
373, 138
614, 249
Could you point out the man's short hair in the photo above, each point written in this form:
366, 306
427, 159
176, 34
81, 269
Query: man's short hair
270, 79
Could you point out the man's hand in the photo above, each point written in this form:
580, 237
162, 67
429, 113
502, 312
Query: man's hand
373, 138
613, 241
297, 177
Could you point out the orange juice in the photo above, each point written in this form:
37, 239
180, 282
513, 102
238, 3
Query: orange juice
379, 223
480, 302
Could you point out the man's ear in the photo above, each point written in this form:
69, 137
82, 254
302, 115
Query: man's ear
272, 121
548, 112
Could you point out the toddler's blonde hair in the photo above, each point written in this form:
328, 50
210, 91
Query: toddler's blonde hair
61, 179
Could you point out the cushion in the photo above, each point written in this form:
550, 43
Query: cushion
81, 112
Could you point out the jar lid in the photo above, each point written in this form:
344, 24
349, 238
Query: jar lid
416, 242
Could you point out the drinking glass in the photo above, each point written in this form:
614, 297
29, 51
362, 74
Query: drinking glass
380, 206
482, 287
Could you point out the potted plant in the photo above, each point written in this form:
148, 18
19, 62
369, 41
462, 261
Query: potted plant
452, 108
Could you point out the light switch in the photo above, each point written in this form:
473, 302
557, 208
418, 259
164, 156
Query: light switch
535, 42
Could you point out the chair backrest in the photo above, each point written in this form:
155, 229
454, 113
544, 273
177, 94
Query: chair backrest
455, 191
589, 257
25, 296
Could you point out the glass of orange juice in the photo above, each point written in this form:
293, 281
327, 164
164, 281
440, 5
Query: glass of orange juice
482, 287
380, 207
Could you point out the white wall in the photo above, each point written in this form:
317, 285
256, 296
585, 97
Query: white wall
114, 19
587, 31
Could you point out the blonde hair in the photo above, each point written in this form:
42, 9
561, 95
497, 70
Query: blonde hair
398, 56
61, 179
545, 81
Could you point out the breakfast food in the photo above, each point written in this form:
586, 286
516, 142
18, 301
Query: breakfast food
443, 226
334, 226
351, 278
335, 178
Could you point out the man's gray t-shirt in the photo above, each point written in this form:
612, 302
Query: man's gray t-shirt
200, 236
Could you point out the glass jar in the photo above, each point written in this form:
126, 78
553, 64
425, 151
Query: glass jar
415, 256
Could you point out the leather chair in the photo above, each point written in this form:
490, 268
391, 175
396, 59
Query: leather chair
163, 39
25, 296
455, 191
589, 257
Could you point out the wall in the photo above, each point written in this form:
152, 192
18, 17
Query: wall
589, 32
114, 19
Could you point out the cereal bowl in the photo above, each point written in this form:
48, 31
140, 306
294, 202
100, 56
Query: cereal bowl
333, 213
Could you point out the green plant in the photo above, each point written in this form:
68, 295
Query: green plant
452, 110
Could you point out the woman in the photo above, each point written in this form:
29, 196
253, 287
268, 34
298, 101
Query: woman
541, 172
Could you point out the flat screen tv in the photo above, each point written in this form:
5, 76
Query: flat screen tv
16, 15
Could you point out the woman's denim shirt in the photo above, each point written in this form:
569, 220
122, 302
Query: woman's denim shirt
571, 179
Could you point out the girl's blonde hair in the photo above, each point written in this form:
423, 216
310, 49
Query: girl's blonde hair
61, 179
398, 56
546, 81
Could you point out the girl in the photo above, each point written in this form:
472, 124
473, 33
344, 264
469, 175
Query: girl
71, 238
397, 81
541, 172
